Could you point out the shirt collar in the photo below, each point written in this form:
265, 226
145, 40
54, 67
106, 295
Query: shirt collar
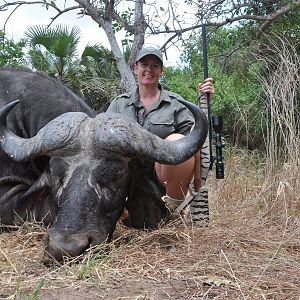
135, 97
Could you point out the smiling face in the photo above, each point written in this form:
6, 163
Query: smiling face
148, 70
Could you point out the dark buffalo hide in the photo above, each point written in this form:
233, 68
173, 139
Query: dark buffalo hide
64, 165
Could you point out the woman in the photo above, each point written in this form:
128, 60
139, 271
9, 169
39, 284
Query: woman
158, 111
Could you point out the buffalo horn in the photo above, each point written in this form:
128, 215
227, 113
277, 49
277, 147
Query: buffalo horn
132, 140
54, 138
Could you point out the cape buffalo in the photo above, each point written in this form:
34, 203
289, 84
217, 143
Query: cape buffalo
67, 166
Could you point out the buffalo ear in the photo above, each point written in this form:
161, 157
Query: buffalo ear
42, 182
144, 204
37, 203
146, 209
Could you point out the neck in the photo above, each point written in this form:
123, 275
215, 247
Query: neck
148, 95
147, 90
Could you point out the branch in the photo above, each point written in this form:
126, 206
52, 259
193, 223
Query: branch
21, 3
139, 31
4, 26
63, 11
278, 14
109, 8
91, 10
122, 22
266, 19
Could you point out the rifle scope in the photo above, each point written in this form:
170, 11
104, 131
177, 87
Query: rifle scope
217, 123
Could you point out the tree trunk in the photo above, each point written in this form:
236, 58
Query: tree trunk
139, 31
105, 21
127, 78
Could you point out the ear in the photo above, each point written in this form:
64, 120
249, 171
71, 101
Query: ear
42, 182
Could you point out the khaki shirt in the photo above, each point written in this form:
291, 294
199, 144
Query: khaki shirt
164, 117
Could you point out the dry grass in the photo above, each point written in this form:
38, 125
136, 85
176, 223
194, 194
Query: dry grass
250, 250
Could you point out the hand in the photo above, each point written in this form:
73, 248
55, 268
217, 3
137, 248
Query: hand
207, 87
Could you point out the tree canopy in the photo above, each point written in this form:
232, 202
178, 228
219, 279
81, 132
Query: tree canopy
140, 18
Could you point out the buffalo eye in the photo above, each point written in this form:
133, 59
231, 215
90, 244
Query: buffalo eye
58, 169
109, 171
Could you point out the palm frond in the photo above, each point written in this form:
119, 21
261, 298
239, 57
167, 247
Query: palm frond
41, 35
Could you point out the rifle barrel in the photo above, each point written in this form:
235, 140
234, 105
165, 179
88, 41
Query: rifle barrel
204, 43
205, 68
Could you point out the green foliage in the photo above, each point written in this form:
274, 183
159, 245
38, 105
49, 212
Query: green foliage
94, 76
127, 16
100, 61
98, 79
234, 72
52, 50
11, 53
127, 41
265, 7
233, 63
97, 258
181, 82
48, 3
34, 294
288, 26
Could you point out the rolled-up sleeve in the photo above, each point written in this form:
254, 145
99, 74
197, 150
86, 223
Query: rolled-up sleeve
184, 120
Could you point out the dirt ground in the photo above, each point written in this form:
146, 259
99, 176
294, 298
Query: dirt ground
250, 250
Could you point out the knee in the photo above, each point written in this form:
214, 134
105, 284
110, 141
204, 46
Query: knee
174, 136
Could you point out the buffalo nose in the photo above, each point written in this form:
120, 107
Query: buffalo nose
59, 245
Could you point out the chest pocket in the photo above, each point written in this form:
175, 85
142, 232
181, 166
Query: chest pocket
160, 125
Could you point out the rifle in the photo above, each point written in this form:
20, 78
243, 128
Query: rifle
216, 121
199, 207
